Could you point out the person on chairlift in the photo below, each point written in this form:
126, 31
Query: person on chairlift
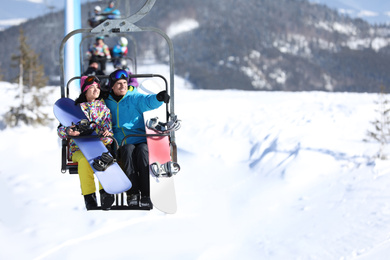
100, 52
111, 12
127, 106
94, 108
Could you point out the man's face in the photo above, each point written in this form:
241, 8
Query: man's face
120, 87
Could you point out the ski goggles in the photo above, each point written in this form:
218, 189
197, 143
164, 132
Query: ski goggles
88, 82
119, 74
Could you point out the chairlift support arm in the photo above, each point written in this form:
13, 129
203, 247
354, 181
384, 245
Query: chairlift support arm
121, 26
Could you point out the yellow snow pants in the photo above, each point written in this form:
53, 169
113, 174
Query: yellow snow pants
86, 175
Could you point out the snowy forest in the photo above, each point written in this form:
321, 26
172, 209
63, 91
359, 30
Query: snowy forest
288, 45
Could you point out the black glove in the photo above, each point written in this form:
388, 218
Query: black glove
163, 96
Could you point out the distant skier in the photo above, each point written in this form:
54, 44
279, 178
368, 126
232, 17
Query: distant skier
127, 106
95, 110
93, 69
100, 52
111, 12
118, 52
98, 18
97, 10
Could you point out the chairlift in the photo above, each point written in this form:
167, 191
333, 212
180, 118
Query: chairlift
132, 59
120, 28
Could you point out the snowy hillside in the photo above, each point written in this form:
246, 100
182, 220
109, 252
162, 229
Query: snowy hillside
265, 175
295, 46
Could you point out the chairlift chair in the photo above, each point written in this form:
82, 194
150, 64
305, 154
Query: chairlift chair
119, 28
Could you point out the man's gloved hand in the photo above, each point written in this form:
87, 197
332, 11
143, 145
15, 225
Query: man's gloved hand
163, 96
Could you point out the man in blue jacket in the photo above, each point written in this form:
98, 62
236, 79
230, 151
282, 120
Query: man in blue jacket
127, 106
111, 12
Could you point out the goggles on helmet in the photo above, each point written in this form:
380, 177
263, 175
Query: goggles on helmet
119, 74
89, 81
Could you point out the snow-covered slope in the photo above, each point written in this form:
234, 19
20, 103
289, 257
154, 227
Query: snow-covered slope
265, 175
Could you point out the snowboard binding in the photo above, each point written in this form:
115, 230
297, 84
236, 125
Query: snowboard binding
161, 127
165, 170
103, 162
84, 127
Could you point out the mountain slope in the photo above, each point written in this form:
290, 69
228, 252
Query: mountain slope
283, 45
264, 175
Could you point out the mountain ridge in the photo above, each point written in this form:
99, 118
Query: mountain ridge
253, 45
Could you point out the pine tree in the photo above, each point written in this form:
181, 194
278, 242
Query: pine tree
30, 97
30, 69
381, 132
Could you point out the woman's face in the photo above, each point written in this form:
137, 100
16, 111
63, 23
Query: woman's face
93, 92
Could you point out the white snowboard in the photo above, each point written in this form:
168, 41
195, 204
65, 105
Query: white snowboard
162, 189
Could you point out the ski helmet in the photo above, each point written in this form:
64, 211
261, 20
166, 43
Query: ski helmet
98, 9
87, 81
123, 41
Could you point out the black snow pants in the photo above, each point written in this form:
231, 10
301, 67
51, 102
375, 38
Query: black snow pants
135, 163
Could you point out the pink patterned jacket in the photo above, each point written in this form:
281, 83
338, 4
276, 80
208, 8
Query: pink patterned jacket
96, 111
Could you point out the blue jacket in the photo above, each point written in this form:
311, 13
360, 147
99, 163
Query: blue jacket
112, 13
127, 115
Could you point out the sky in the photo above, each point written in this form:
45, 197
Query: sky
27, 9
373, 11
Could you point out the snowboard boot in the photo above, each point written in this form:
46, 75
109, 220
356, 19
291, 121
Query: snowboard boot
106, 200
145, 203
133, 200
90, 201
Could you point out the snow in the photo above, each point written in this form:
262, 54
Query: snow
182, 26
265, 175
358, 44
294, 44
379, 43
361, 43
10, 22
346, 29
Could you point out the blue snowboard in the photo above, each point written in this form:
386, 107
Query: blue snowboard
113, 179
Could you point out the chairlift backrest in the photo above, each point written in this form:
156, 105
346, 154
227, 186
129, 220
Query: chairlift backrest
120, 28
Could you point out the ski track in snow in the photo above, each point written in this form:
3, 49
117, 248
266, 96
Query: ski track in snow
265, 175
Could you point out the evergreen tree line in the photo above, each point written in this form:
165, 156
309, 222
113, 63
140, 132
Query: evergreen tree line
320, 58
